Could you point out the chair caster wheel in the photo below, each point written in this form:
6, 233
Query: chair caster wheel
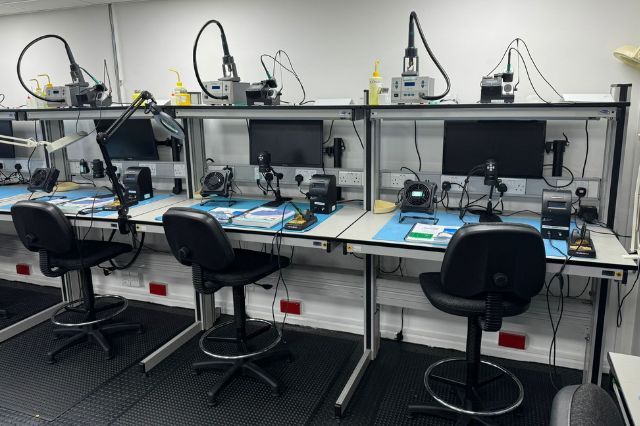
212, 401
51, 359
140, 330
195, 372
276, 392
109, 356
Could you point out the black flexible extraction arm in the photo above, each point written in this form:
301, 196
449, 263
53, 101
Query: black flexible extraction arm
229, 71
411, 57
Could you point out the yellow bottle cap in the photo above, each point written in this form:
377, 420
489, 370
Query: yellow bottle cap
37, 84
375, 71
48, 85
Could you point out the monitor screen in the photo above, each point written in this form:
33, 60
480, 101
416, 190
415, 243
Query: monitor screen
133, 141
6, 129
516, 146
290, 142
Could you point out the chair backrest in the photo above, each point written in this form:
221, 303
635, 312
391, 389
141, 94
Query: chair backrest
505, 258
195, 237
43, 226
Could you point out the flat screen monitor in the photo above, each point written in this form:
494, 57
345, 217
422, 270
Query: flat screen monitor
6, 129
292, 143
133, 141
516, 146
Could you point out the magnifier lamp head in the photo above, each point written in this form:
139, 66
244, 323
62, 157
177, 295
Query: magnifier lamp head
166, 121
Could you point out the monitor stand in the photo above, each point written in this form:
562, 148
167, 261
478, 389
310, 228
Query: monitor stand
486, 217
489, 216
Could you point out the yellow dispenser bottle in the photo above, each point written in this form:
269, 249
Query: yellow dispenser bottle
179, 96
46, 88
375, 86
35, 102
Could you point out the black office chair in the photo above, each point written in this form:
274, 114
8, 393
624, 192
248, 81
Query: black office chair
490, 271
584, 405
197, 240
43, 228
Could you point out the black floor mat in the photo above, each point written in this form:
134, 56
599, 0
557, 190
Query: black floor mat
22, 300
181, 397
35, 388
396, 380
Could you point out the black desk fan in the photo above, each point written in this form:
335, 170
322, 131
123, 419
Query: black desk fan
218, 183
418, 197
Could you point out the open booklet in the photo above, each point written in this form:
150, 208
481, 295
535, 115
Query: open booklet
87, 203
265, 217
431, 234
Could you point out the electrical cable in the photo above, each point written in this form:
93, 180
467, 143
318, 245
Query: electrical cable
621, 301
399, 334
139, 244
330, 133
414, 17
414, 173
586, 154
291, 70
415, 141
526, 69
357, 134
277, 243
518, 40
556, 324
559, 186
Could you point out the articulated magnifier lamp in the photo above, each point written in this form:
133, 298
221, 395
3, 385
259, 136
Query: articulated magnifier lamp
146, 100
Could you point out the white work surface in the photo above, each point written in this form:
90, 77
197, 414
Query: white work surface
319, 236
103, 221
626, 371
609, 262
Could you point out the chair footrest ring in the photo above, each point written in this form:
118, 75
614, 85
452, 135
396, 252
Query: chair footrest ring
267, 348
120, 304
503, 372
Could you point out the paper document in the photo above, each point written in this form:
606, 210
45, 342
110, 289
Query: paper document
587, 97
264, 217
431, 234
226, 214
87, 203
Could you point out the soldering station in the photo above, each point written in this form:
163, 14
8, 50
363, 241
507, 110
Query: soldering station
239, 240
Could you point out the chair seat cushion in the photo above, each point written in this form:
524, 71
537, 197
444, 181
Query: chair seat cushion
460, 306
584, 405
91, 253
248, 267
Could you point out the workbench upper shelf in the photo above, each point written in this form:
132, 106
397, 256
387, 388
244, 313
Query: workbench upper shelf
516, 111
278, 112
